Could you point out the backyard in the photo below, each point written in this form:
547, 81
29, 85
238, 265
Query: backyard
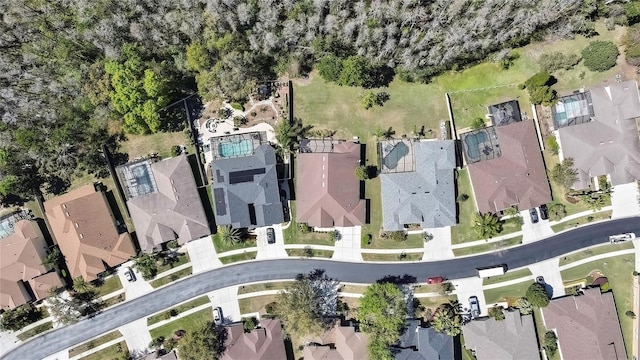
619, 271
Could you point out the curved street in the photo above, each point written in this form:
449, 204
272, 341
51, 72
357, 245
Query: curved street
57, 340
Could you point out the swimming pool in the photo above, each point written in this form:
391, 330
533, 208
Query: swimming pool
472, 141
234, 149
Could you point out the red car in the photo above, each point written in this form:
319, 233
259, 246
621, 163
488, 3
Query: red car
435, 280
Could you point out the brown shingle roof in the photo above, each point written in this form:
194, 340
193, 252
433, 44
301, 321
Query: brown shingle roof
21, 256
84, 227
338, 343
175, 209
328, 192
587, 326
264, 343
517, 177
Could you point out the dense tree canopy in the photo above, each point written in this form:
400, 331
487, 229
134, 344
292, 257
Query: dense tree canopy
383, 311
537, 295
205, 342
600, 55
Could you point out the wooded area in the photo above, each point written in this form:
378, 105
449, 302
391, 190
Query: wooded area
77, 74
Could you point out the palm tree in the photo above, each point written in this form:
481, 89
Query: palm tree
81, 286
229, 235
289, 134
487, 225
384, 134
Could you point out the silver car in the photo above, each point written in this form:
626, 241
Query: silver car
217, 315
474, 305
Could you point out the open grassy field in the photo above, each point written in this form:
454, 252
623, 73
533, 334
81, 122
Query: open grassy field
603, 249
94, 343
619, 272
180, 309
187, 323
494, 246
510, 275
603, 215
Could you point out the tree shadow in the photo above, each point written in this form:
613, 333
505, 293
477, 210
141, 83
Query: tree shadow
399, 280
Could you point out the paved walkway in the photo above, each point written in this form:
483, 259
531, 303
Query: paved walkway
203, 254
270, 251
348, 248
438, 248
62, 355
624, 201
136, 335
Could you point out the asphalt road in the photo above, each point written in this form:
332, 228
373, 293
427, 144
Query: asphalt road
58, 340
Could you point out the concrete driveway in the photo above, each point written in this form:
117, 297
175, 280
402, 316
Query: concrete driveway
349, 245
533, 232
468, 287
550, 270
136, 288
227, 300
270, 251
438, 248
624, 201
203, 255
8, 341
136, 335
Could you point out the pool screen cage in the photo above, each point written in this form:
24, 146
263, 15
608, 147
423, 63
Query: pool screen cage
480, 145
573, 109
396, 156
8, 221
256, 138
137, 178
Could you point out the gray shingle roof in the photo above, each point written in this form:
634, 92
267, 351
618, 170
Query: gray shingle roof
609, 144
513, 338
420, 343
425, 196
246, 185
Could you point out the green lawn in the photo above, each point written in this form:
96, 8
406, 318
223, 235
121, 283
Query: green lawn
495, 246
433, 302
223, 247
249, 255
94, 343
602, 249
392, 257
187, 323
466, 353
509, 293
582, 220
293, 235
356, 289
162, 143
112, 352
109, 285
114, 300
315, 253
183, 258
180, 309
462, 232
279, 285
256, 304
170, 278
35, 331
425, 288
510, 275
619, 272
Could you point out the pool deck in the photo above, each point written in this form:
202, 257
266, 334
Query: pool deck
227, 126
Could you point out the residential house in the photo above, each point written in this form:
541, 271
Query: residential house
420, 343
263, 343
506, 167
417, 184
597, 129
513, 338
338, 343
163, 201
86, 232
23, 278
328, 192
587, 326
245, 189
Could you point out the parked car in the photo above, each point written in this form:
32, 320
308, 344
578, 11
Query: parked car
435, 280
217, 315
622, 237
129, 275
544, 212
534, 215
474, 305
271, 236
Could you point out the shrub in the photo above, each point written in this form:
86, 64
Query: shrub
463, 197
552, 144
304, 228
542, 78
635, 273
630, 314
550, 343
631, 42
173, 244
237, 106
394, 235
176, 150
537, 295
632, 11
600, 55
362, 173
477, 123
330, 67
496, 313
249, 323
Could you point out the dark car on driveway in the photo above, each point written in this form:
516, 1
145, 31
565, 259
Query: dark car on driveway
544, 212
534, 215
271, 236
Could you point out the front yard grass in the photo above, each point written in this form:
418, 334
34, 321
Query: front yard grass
256, 304
114, 300
602, 249
494, 246
313, 252
355, 289
35, 331
224, 247
279, 285
393, 257
109, 285
94, 343
183, 258
188, 323
619, 272
249, 255
112, 352
509, 293
432, 302
170, 278
582, 220
180, 309
510, 275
